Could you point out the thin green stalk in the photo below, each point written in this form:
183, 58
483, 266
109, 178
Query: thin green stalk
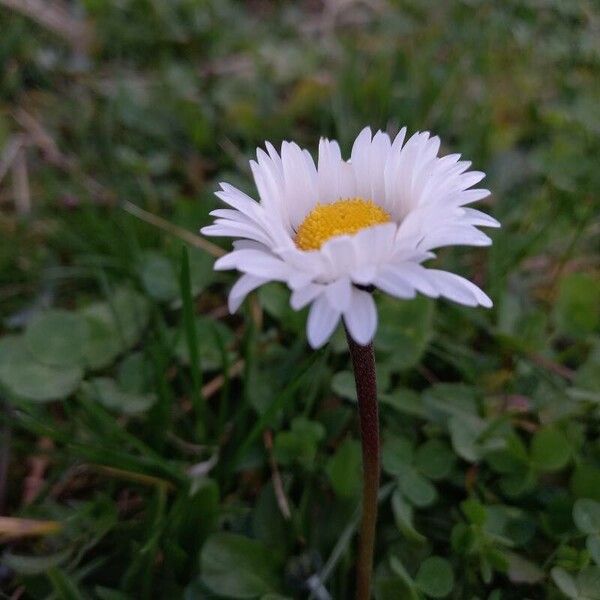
191, 336
363, 363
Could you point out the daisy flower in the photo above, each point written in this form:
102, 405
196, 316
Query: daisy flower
335, 230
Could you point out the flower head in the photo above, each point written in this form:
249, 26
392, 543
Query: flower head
332, 229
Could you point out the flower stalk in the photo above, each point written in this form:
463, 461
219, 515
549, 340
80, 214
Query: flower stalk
363, 363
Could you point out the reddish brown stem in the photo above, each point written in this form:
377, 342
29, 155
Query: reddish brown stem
363, 362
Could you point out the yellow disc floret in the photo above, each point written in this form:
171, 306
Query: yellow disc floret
338, 218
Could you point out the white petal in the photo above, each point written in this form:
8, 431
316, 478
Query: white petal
481, 219
255, 262
459, 289
341, 254
305, 295
415, 276
300, 177
458, 235
232, 229
339, 293
470, 196
388, 281
361, 317
242, 287
328, 172
322, 321
364, 275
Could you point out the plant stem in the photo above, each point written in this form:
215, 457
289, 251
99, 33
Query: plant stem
363, 362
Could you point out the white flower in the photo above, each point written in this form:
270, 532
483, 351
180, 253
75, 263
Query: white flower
333, 229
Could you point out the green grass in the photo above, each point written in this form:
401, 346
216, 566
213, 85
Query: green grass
189, 453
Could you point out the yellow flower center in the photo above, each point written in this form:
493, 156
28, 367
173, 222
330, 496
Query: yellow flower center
348, 216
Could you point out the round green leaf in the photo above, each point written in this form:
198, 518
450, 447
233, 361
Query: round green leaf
135, 373
35, 565
593, 547
585, 482
57, 338
565, 583
106, 391
28, 379
550, 450
234, 566
416, 488
391, 586
403, 515
464, 433
397, 454
518, 483
343, 385
586, 514
407, 325
211, 334
435, 459
158, 276
588, 583
102, 344
435, 577
130, 311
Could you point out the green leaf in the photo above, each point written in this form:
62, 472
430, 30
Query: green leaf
344, 469
35, 565
135, 373
593, 547
124, 318
275, 298
475, 511
234, 566
406, 325
521, 570
576, 309
588, 375
513, 458
585, 482
28, 379
518, 483
300, 444
342, 383
588, 583
102, 344
403, 515
404, 401
435, 577
130, 311
435, 459
202, 273
56, 338
396, 454
565, 583
158, 276
208, 333
268, 524
191, 337
104, 593
464, 433
394, 585
586, 515
451, 399
417, 488
550, 450
63, 585
107, 392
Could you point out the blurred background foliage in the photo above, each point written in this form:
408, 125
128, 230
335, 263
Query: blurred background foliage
152, 446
